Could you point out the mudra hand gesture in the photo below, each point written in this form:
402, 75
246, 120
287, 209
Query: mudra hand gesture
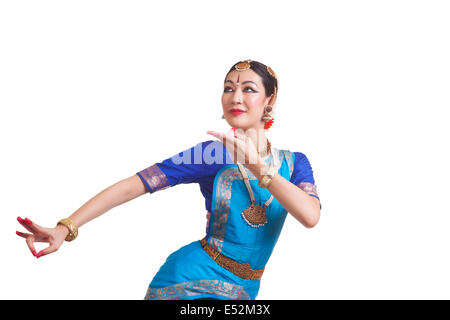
240, 147
54, 236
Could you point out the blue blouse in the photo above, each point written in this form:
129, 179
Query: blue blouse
190, 273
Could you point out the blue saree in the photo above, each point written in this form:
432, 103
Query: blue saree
190, 273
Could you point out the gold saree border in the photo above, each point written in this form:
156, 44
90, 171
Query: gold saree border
155, 178
198, 287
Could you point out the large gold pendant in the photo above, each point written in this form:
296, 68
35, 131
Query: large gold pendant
255, 215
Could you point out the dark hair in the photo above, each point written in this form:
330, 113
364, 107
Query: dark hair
268, 81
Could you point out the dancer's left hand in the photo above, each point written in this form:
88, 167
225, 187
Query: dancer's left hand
240, 147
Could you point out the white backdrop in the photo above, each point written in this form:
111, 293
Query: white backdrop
93, 91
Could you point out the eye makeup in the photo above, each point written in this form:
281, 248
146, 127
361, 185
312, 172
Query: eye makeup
252, 90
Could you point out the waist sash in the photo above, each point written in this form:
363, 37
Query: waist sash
242, 270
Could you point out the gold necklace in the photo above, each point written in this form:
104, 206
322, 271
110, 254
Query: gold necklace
255, 215
265, 152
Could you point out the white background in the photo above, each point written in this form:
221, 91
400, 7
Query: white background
93, 91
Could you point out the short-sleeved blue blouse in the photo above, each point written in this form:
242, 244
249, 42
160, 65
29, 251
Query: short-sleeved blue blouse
190, 273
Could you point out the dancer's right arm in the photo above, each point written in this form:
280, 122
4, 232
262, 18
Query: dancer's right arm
114, 195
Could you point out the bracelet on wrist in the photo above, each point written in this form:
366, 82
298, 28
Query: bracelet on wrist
266, 179
70, 225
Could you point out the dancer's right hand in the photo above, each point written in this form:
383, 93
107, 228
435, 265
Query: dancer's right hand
54, 236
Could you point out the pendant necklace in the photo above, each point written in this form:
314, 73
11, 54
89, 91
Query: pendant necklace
255, 215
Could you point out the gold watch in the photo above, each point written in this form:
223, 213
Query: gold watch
267, 177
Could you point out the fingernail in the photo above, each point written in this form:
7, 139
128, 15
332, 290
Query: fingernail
28, 221
33, 252
19, 219
18, 233
40, 254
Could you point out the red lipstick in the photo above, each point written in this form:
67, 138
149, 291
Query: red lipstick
236, 112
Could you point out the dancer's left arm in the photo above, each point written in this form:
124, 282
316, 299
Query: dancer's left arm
304, 208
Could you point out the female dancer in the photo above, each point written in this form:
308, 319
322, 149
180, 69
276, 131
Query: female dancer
249, 187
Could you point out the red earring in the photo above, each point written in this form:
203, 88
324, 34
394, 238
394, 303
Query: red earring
268, 124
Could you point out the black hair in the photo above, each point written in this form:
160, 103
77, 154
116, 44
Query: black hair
268, 80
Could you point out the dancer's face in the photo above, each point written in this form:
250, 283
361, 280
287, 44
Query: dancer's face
244, 90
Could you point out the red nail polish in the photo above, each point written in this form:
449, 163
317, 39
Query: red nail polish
40, 254
28, 221
20, 219
18, 233
34, 252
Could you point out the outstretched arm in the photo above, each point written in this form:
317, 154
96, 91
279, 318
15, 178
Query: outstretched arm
116, 194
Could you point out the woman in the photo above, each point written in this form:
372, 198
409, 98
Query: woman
249, 187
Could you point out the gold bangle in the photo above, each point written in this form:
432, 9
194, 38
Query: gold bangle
267, 177
73, 230
265, 181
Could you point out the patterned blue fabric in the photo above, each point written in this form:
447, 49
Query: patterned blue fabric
190, 273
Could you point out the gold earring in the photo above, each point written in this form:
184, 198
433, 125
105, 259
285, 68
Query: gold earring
268, 113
